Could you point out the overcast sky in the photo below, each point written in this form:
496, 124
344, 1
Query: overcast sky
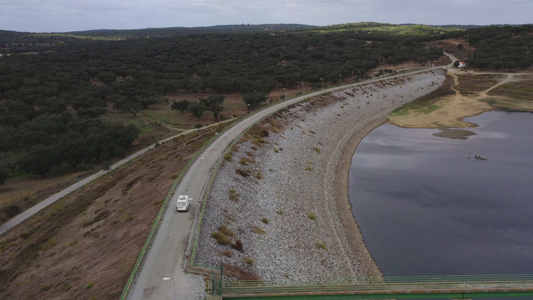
73, 15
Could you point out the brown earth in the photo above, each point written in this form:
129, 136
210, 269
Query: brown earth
85, 245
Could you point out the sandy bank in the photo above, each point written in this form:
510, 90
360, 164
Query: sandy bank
451, 110
292, 212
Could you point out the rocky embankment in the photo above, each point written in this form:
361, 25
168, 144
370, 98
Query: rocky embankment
283, 189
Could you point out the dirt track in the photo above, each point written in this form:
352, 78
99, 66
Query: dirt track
453, 109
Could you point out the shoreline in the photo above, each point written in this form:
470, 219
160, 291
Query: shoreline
291, 210
344, 207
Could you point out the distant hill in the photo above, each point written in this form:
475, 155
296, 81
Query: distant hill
385, 29
174, 31
121, 34
375, 29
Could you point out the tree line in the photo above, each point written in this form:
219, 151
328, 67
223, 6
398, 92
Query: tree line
501, 47
51, 84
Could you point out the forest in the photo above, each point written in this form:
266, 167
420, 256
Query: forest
56, 89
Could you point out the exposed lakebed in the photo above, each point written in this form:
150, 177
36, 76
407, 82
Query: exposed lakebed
428, 206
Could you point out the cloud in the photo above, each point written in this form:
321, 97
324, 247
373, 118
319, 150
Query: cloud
69, 15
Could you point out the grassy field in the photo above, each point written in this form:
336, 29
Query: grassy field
446, 109
469, 84
393, 30
519, 90
427, 103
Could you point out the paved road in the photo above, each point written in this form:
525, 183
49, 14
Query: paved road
165, 257
41, 205
52, 199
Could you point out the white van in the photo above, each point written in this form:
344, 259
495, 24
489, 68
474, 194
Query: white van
183, 203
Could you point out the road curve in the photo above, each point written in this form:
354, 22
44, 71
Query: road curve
165, 258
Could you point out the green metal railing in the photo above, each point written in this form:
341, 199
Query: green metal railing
400, 287
158, 218
386, 279
207, 192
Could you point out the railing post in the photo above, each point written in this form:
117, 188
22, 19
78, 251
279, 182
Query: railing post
213, 287
221, 276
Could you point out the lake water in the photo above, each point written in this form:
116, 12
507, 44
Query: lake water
426, 206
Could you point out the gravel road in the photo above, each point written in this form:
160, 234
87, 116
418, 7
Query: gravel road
292, 213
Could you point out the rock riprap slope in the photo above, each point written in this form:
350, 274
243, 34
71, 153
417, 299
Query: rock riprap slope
281, 195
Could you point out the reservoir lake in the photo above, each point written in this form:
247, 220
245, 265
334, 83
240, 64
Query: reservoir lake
430, 205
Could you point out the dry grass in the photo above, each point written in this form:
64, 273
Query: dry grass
258, 230
519, 89
469, 83
233, 195
85, 245
239, 273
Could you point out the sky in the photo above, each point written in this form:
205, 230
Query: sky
76, 15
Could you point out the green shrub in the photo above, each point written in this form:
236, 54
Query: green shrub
311, 216
228, 156
265, 220
321, 245
225, 230
221, 238
259, 141
249, 260
233, 196
245, 161
258, 230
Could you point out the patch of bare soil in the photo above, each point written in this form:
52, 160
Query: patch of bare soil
85, 245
